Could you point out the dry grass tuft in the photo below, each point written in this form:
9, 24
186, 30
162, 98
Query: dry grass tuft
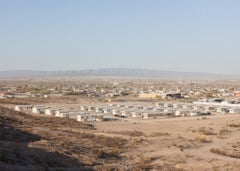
223, 131
225, 153
203, 138
159, 134
234, 125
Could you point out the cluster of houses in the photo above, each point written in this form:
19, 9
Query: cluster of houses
220, 105
64, 113
116, 111
162, 95
94, 88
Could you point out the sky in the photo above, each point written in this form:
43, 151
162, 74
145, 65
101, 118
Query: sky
175, 35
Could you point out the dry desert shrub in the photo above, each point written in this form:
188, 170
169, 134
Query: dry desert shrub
223, 131
207, 131
225, 153
203, 138
234, 125
159, 134
134, 133
103, 154
144, 163
204, 131
168, 166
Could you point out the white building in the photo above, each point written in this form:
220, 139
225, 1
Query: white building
234, 110
23, 107
89, 117
50, 111
39, 109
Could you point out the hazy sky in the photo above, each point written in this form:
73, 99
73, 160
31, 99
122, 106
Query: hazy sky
179, 35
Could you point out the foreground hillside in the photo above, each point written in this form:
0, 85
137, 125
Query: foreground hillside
39, 142
30, 142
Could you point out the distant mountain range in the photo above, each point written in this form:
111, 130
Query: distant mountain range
118, 72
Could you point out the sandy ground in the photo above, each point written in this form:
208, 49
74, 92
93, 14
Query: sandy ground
183, 143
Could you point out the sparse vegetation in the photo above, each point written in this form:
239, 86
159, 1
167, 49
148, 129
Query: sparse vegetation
144, 163
53, 148
132, 133
203, 138
234, 125
226, 153
223, 131
205, 131
159, 134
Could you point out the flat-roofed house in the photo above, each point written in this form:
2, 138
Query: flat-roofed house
234, 110
99, 109
83, 108
23, 107
61, 112
50, 111
89, 117
147, 115
91, 108
39, 109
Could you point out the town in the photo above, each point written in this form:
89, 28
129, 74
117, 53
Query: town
148, 123
116, 99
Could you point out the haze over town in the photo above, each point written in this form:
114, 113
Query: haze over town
190, 36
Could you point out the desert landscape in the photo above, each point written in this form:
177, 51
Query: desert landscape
207, 143
127, 85
164, 140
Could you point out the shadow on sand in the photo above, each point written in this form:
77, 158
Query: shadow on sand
16, 155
